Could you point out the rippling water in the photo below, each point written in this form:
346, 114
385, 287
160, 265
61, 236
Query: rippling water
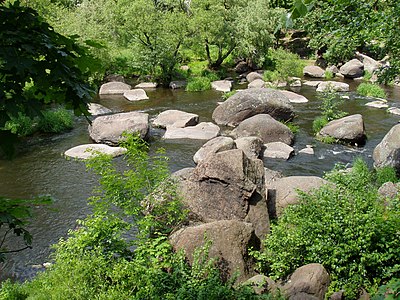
41, 169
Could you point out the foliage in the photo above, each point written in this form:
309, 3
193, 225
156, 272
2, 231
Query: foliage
371, 90
13, 218
389, 291
281, 65
197, 84
329, 74
294, 128
345, 226
329, 110
225, 96
38, 66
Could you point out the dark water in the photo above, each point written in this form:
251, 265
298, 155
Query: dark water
41, 169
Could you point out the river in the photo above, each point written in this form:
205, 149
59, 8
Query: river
41, 169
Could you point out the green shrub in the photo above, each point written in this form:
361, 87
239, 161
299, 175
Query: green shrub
329, 74
371, 90
282, 64
345, 227
318, 123
56, 121
389, 291
198, 84
293, 127
225, 96
21, 126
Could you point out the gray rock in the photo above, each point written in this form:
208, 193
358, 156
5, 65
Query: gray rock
252, 146
387, 152
253, 76
218, 144
175, 118
109, 129
262, 284
333, 86
178, 84
313, 83
136, 95
389, 190
146, 85
370, 64
114, 88
266, 128
307, 150
333, 69
222, 85
309, 282
114, 77
247, 103
352, 69
242, 67
294, 98
98, 109
349, 129
88, 150
283, 192
278, 150
230, 241
295, 82
394, 110
227, 186
313, 72
270, 177
256, 84
202, 131
377, 104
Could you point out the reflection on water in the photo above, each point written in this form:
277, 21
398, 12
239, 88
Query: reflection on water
41, 169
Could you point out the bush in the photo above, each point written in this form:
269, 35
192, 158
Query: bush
56, 121
198, 84
371, 90
345, 227
281, 64
329, 74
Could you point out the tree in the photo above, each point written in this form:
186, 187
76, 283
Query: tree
38, 67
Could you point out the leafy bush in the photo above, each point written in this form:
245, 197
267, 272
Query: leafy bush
345, 226
329, 74
282, 64
198, 84
389, 291
371, 90
56, 121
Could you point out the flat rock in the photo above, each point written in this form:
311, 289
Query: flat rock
313, 83
307, 150
294, 98
266, 128
334, 86
109, 129
136, 95
218, 144
252, 146
202, 131
247, 103
253, 76
114, 88
175, 118
377, 104
146, 85
394, 110
88, 150
98, 109
256, 84
222, 85
313, 72
349, 129
278, 150
352, 69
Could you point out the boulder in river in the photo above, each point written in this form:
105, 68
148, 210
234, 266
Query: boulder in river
114, 88
109, 129
202, 131
294, 98
266, 128
256, 84
222, 85
146, 85
215, 145
352, 69
313, 72
175, 118
278, 150
98, 109
252, 146
136, 95
247, 103
88, 150
253, 76
334, 86
387, 152
349, 129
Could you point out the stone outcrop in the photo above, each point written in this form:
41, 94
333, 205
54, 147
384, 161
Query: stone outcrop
230, 241
109, 129
307, 282
175, 118
252, 146
202, 131
349, 129
136, 95
313, 72
278, 150
114, 88
387, 152
88, 150
227, 186
218, 144
222, 85
98, 109
352, 69
247, 103
283, 191
266, 128
334, 86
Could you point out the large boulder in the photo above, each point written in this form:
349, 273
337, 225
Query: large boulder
284, 191
252, 146
253, 76
349, 129
227, 186
352, 69
256, 84
222, 85
88, 150
98, 109
218, 144
230, 241
202, 131
266, 128
109, 129
175, 118
247, 103
334, 86
387, 152
136, 95
370, 64
294, 98
313, 72
114, 88
307, 282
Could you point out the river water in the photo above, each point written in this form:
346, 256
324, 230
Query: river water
41, 169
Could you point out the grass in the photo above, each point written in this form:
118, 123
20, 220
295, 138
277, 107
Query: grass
198, 84
371, 90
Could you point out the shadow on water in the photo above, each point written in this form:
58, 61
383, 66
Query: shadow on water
42, 170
